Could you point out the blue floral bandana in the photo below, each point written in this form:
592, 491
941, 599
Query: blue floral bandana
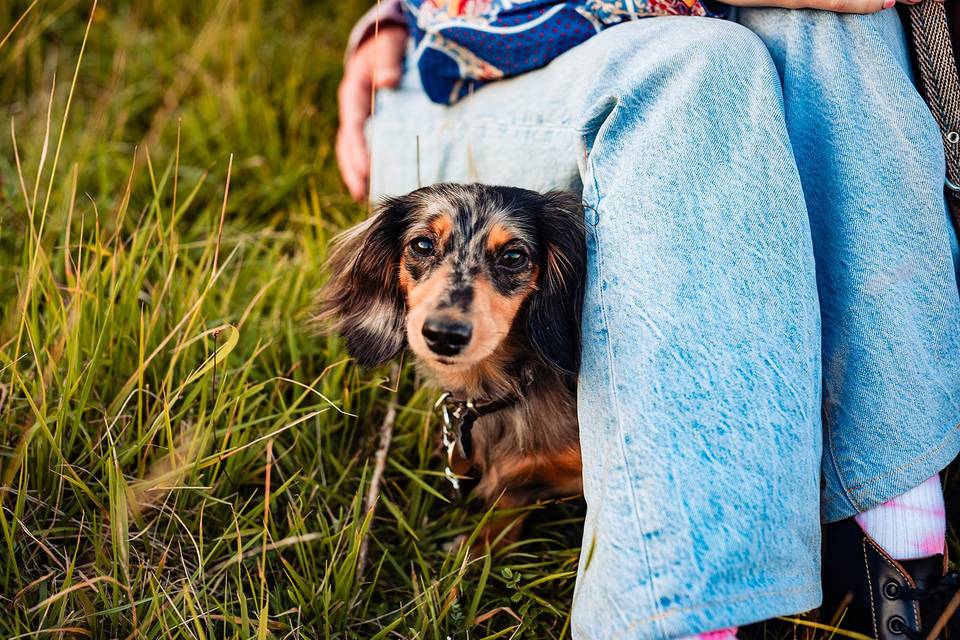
462, 45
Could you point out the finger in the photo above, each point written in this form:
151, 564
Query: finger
861, 6
353, 159
353, 177
361, 170
851, 6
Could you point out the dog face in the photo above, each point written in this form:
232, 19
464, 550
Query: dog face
465, 272
461, 273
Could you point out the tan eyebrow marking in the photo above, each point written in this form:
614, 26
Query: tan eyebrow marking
497, 237
441, 226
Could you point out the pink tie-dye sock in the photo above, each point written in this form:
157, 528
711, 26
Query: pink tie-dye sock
730, 633
912, 525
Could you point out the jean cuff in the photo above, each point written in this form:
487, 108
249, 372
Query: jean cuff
746, 609
862, 496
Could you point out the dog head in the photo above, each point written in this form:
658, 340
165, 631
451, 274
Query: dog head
459, 273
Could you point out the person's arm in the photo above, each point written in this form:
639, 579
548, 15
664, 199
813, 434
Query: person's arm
374, 60
837, 6
386, 12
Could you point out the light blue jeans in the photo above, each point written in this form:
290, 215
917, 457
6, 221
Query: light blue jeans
772, 320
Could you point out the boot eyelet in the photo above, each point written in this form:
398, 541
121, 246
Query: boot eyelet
896, 625
891, 590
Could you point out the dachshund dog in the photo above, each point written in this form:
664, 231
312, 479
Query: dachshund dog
484, 284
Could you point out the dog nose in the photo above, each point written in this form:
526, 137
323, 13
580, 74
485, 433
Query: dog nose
446, 337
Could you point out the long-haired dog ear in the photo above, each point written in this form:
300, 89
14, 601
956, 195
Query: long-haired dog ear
553, 312
362, 300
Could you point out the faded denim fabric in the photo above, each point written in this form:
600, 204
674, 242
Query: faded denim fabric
871, 165
700, 388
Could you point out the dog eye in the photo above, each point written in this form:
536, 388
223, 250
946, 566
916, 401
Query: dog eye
513, 259
422, 246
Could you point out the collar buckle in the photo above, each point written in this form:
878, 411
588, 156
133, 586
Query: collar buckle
451, 412
458, 417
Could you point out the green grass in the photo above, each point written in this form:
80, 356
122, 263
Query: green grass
180, 456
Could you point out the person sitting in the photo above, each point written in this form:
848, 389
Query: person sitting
770, 319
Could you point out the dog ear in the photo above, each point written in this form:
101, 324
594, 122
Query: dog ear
362, 300
553, 312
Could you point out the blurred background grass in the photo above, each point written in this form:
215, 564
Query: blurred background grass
179, 455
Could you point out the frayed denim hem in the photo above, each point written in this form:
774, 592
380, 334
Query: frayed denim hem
711, 615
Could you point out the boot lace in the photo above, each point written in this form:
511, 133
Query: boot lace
939, 594
945, 589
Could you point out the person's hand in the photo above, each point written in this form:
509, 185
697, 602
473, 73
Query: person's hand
838, 6
376, 63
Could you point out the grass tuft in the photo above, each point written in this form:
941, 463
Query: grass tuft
180, 455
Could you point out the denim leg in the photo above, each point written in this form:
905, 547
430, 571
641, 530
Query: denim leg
871, 163
699, 391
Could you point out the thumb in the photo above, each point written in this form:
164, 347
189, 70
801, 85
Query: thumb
387, 75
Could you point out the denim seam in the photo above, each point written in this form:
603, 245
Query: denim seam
828, 425
613, 385
866, 483
703, 605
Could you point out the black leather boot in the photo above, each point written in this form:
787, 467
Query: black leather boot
876, 595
